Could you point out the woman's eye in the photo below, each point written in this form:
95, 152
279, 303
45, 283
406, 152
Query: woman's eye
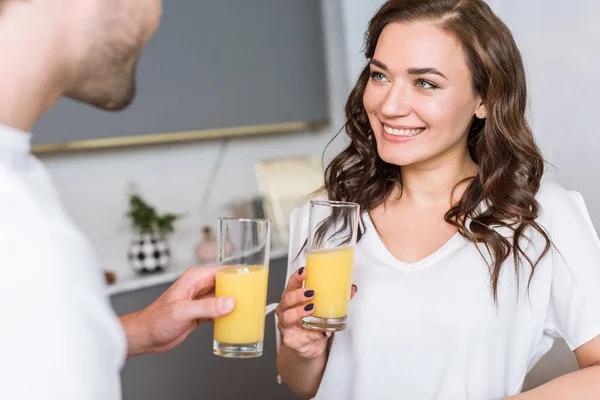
378, 76
423, 84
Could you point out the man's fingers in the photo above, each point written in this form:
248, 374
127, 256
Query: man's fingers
201, 279
205, 295
208, 308
225, 305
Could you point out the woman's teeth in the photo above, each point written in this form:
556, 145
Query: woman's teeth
402, 132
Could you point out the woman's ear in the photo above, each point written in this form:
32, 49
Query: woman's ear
481, 111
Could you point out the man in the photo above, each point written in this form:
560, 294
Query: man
58, 336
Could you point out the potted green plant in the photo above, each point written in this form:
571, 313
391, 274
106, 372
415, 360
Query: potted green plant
149, 250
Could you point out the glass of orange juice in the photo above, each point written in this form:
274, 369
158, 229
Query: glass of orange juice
242, 273
332, 232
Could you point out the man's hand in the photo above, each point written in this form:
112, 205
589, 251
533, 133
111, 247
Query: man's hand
165, 323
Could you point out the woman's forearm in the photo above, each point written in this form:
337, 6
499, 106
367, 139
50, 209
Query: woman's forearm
583, 384
301, 375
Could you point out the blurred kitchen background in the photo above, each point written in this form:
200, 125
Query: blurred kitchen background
293, 86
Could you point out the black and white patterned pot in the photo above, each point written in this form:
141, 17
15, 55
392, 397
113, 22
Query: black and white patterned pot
149, 252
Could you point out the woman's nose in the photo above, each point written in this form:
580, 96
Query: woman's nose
395, 103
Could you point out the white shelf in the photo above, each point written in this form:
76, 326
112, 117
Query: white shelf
132, 281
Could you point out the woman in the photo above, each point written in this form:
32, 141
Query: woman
468, 266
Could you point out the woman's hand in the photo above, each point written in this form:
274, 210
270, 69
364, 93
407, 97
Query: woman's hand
295, 304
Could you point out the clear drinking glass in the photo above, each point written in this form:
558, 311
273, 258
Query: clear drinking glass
332, 232
242, 273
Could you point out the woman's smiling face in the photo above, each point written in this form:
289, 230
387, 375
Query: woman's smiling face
420, 99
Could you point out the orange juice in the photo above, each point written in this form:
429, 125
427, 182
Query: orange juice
248, 286
329, 274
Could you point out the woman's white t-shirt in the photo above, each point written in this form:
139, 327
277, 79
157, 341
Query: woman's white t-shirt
431, 330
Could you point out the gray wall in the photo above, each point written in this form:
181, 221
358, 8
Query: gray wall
191, 371
215, 64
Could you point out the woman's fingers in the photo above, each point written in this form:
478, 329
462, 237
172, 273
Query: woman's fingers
292, 316
294, 298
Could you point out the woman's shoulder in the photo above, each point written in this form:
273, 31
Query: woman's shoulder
552, 195
558, 203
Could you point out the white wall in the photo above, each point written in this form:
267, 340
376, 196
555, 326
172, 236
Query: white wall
356, 17
94, 186
560, 43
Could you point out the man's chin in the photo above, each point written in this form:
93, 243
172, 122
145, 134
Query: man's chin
106, 103
116, 105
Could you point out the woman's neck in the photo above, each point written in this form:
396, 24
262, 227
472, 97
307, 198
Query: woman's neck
434, 184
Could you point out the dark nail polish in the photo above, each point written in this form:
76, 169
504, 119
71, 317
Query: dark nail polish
355, 289
309, 307
300, 271
324, 334
309, 293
